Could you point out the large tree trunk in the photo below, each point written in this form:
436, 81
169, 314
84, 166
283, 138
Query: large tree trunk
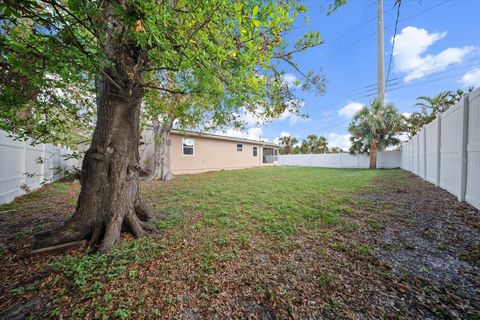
161, 155
109, 200
373, 154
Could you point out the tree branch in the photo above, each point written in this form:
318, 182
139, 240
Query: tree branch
298, 70
151, 86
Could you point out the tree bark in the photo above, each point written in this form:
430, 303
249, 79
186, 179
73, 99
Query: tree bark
161, 155
373, 154
109, 200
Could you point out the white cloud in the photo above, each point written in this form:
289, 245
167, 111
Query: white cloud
339, 140
250, 118
406, 114
350, 109
290, 80
412, 43
471, 78
282, 134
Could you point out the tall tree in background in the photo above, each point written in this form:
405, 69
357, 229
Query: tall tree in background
287, 143
312, 143
229, 49
164, 109
414, 122
316, 144
437, 104
304, 147
374, 128
430, 107
322, 144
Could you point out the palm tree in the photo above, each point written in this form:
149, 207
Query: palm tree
374, 129
458, 95
439, 103
287, 142
316, 144
304, 148
430, 107
322, 144
312, 141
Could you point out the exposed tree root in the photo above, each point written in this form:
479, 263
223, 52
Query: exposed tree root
61, 247
100, 235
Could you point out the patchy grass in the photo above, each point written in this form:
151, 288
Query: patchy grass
265, 242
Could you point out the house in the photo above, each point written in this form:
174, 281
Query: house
195, 152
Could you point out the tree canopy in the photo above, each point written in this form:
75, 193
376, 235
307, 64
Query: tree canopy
218, 48
375, 128
228, 52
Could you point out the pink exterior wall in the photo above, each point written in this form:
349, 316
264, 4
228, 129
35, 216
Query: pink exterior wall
212, 154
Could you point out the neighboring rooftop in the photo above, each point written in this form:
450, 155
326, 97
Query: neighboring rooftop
221, 137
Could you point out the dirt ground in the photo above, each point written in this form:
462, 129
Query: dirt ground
426, 233
401, 248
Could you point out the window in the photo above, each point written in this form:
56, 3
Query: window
239, 147
255, 151
188, 146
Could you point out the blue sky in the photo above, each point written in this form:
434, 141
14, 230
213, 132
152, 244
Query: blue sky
437, 48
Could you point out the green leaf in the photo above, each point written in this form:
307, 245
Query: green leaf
255, 11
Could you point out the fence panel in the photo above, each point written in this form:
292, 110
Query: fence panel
25, 167
473, 150
432, 151
421, 153
388, 159
403, 157
415, 154
11, 167
451, 149
33, 165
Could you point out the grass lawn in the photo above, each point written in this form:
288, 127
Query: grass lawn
266, 243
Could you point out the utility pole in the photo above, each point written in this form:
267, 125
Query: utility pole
380, 55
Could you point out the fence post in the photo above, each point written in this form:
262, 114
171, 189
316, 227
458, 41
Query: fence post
42, 173
424, 153
439, 149
463, 175
24, 162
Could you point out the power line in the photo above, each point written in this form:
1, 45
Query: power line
369, 6
324, 128
420, 83
438, 73
364, 89
387, 90
388, 27
360, 24
399, 2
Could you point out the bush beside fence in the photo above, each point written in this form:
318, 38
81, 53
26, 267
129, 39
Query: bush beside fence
25, 167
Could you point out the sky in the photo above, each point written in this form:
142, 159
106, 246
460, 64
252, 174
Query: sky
437, 48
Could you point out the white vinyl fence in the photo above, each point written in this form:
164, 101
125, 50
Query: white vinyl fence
24, 167
446, 152
386, 159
